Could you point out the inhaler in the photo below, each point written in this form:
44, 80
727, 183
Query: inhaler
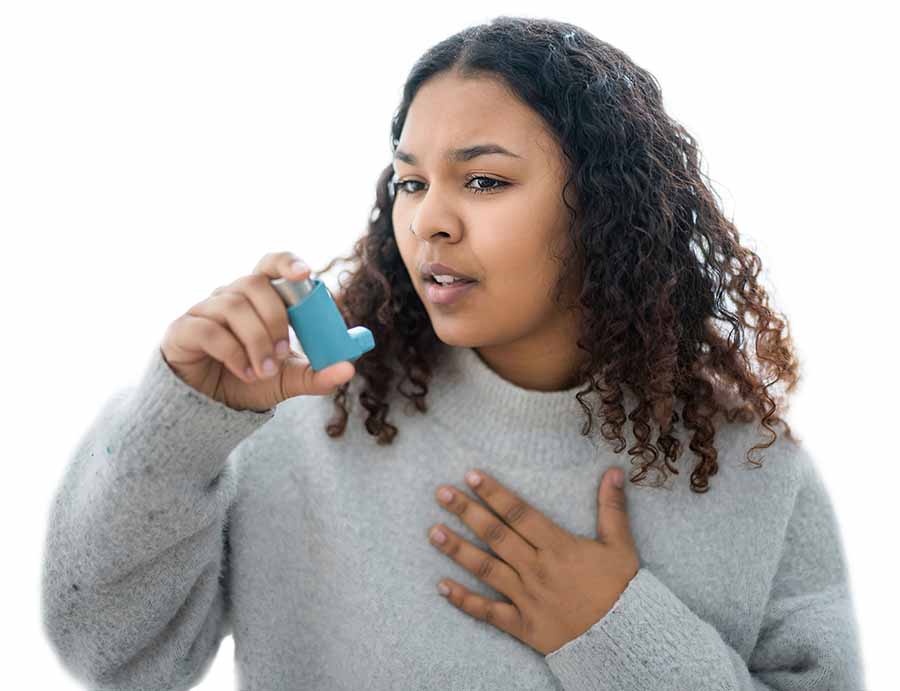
319, 325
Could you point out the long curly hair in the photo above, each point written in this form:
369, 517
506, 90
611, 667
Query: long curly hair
656, 259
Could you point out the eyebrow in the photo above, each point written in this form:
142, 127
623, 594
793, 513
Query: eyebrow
460, 155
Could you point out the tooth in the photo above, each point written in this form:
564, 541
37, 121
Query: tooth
445, 279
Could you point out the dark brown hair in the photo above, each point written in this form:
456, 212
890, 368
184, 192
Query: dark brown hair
660, 268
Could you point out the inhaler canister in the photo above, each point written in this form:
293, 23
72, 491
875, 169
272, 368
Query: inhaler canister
293, 292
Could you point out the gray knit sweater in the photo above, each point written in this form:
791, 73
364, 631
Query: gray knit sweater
180, 521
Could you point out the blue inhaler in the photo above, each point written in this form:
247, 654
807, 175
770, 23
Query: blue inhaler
319, 325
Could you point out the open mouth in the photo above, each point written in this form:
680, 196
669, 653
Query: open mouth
431, 279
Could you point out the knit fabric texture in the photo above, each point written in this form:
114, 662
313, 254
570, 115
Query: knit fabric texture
179, 521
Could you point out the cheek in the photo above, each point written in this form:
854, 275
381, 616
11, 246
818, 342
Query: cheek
512, 292
520, 269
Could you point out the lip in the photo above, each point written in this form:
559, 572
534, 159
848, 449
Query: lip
447, 295
428, 270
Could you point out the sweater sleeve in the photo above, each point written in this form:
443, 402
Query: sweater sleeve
808, 637
134, 583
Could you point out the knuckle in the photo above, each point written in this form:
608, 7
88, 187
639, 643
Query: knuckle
495, 534
238, 285
453, 546
206, 328
489, 613
538, 572
176, 324
265, 259
264, 346
194, 310
234, 285
527, 627
516, 513
485, 568
233, 300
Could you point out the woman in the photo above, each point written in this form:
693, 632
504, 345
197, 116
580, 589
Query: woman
537, 164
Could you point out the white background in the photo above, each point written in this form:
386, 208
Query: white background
150, 152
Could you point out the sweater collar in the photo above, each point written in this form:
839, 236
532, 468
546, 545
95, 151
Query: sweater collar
497, 415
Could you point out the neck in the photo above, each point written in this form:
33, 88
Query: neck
468, 397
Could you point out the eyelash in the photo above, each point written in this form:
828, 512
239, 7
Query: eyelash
398, 185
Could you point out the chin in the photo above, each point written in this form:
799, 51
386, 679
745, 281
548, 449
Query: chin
456, 340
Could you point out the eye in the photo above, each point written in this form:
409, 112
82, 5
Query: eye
399, 185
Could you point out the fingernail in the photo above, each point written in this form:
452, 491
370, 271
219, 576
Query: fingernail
282, 348
299, 267
618, 478
438, 536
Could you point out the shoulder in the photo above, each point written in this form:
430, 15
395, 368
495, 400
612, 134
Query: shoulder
764, 481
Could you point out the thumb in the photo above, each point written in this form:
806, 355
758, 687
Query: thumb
298, 378
612, 512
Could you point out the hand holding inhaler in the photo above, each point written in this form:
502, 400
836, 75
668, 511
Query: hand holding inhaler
220, 346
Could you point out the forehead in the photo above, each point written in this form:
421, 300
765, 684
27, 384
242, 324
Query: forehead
451, 112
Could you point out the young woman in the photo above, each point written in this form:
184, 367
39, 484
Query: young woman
599, 285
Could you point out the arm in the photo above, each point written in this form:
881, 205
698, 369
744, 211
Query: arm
136, 541
808, 639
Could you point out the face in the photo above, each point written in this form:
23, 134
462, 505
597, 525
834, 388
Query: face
494, 218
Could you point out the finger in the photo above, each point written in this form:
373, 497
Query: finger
523, 518
271, 311
496, 534
495, 572
235, 311
281, 264
505, 617
299, 377
334, 375
218, 342
612, 513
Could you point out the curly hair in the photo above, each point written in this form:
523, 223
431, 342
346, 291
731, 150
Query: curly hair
656, 259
